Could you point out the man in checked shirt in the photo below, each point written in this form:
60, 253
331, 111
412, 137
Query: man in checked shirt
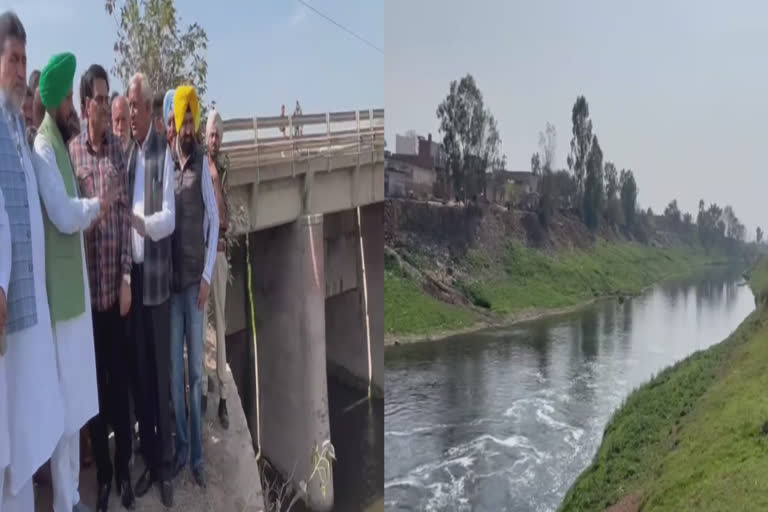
99, 165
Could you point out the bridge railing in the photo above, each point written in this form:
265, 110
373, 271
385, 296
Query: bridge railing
252, 143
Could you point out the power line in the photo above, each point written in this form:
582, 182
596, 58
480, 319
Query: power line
342, 27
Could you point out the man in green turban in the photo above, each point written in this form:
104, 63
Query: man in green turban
65, 216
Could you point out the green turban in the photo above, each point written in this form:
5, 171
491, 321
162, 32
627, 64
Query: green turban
56, 79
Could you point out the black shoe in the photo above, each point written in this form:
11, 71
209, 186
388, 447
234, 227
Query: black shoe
126, 494
203, 405
177, 467
223, 415
199, 477
102, 501
144, 483
166, 493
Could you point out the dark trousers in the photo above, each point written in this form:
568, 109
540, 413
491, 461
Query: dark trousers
112, 376
151, 333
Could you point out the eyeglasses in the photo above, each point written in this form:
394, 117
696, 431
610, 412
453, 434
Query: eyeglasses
101, 101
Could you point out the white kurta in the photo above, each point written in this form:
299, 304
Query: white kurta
73, 338
5, 263
35, 410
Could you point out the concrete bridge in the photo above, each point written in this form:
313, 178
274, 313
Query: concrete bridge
309, 199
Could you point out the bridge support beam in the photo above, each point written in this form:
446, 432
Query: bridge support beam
345, 326
289, 295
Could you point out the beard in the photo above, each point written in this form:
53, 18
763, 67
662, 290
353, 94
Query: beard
187, 145
64, 124
16, 97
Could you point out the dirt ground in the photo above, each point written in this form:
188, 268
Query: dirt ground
230, 465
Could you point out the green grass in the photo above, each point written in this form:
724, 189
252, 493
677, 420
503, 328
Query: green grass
409, 310
691, 438
527, 278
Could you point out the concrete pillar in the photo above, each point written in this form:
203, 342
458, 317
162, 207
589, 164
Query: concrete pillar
345, 312
289, 294
373, 235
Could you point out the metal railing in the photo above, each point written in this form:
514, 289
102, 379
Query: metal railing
253, 143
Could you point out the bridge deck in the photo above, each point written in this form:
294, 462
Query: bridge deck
321, 164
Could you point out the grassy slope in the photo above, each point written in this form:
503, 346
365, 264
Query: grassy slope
527, 278
409, 310
691, 439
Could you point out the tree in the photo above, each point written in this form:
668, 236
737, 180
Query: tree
548, 190
688, 219
672, 214
548, 146
150, 40
535, 164
580, 143
612, 200
759, 235
470, 137
594, 191
628, 195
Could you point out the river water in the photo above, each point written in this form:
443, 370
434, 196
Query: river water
506, 419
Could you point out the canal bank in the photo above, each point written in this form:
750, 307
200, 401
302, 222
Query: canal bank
454, 269
507, 419
537, 285
695, 437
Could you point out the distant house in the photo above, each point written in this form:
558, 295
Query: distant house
511, 187
407, 144
416, 169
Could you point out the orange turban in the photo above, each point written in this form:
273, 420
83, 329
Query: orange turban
186, 98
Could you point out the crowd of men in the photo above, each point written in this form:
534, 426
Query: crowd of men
111, 239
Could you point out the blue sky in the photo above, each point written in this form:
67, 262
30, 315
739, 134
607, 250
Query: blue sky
260, 55
677, 91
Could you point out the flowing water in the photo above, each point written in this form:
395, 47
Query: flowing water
506, 419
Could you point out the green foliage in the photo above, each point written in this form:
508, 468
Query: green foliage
758, 279
613, 212
719, 226
529, 278
553, 191
581, 143
690, 438
150, 40
548, 147
525, 278
470, 137
594, 191
759, 235
672, 214
409, 310
628, 196
474, 295
536, 164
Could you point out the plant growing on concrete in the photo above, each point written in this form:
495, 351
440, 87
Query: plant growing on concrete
321, 466
279, 495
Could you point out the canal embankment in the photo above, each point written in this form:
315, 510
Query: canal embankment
695, 437
456, 269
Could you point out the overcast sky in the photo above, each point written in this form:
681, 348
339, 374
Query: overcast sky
678, 93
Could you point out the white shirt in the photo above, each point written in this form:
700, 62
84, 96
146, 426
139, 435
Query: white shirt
210, 220
162, 223
30, 364
68, 214
73, 338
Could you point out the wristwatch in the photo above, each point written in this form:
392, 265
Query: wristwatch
127, 279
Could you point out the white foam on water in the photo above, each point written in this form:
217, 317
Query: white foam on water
425, 429
406, 481
522, 405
